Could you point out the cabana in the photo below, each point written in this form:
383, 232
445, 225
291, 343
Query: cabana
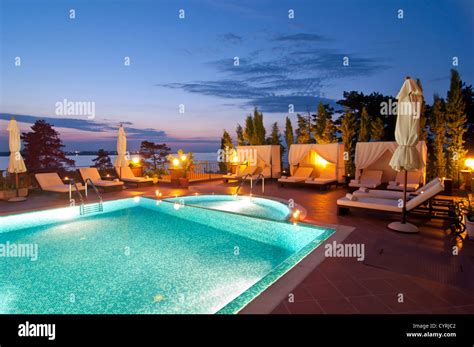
265, 157
376, 156
326, 160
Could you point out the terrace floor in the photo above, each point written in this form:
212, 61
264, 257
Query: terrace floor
346, 285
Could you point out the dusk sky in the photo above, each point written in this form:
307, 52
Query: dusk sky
190, 61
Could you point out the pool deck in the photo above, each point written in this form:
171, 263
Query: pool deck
344, 285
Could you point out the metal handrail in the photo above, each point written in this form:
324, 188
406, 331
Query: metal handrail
244, 177
72, 183
259, 176
89, 181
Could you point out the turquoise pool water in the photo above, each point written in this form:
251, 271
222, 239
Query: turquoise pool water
144, 256
246, 205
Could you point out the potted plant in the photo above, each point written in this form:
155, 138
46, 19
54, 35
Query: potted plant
8, 191
469, 216
182, 165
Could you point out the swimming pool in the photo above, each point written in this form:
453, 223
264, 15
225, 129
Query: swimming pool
145, 256
246, 205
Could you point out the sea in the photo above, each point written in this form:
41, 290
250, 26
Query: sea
86, 160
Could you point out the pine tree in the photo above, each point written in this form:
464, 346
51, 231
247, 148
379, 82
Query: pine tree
259, 128
249, 130
275, 139
364, 126
456, 117
348, 133
240, 135
289, 136
303, 134
102, 161
44, 149
154, 156
226, 145
422, 131
438, 129
323, 129
377, 129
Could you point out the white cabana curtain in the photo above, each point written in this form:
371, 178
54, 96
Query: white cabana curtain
368, 153
406, 156
264, 157
15, 163
121, 160
331, 152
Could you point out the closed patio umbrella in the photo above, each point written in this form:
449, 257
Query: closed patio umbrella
406, 157
16, 164
121, 160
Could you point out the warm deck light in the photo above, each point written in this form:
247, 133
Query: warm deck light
175, 162
183, 157
470, 163
296, 215
158, 194
135, 160
235, 159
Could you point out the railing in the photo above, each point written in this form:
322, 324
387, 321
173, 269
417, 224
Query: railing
261, 177
205, 170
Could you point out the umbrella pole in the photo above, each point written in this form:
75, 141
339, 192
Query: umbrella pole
403, 226
16, 185
404, 209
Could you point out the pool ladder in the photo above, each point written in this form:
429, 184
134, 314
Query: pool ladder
242, 181
87, 208
261, 177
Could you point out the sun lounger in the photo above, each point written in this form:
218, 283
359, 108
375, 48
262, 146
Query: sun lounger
127, 176
324, 180
413, 181
368, 179
301, 174
92, 174
51, 182
390, 194
249, 170
388, 205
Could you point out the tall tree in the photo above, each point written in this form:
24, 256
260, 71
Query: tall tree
468, 94
423, 129
377, 129
240, 135
438, 129
154, 155
102, 161
303, 132
289, 136
456, 117
364, 126
226, 145
275, 139
348, 133
44, 149
249, 132
259, 128
323, 126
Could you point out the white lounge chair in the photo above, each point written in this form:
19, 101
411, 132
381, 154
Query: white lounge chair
390, 194
368, 179
388, 205
413, 181
248, 170
51, 182
126, 175
325, 179
301, 174
92, 174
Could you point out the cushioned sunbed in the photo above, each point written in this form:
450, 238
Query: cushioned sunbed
249, 170
389, 205
51, 182
127, 176
368, 179
301, 174
92, 174
389, 194
413, 181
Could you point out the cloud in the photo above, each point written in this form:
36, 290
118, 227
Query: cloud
88, 125
302, 37
281, 74
231, 38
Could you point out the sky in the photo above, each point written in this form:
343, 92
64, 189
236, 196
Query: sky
190, 62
